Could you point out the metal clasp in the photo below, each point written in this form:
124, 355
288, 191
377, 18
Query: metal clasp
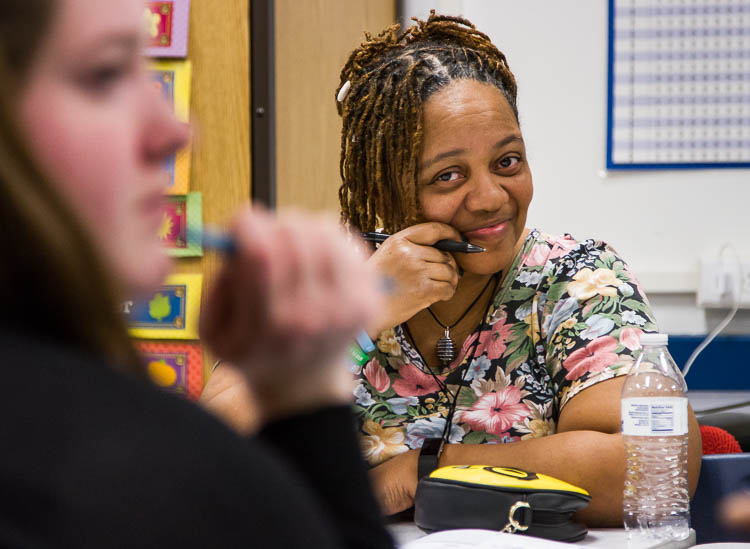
513, 525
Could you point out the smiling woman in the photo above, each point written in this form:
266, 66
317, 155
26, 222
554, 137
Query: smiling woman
546, 324
94, 454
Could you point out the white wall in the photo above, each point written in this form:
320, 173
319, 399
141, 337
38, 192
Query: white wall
661, 222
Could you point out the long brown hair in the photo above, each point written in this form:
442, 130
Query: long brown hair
52, 282
391, 76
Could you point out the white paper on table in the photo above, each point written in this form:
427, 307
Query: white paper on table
481, 539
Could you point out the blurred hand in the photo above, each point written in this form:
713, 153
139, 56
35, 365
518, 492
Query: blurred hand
735, 511
285, 306
422, 275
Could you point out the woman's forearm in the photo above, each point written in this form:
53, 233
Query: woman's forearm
592, 460
227, 396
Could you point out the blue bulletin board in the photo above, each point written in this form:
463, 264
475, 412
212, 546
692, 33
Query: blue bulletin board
678, 84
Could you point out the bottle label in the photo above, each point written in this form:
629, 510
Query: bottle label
655, 416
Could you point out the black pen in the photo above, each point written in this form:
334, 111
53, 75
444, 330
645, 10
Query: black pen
442, 245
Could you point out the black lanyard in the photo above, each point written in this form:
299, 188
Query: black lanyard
443, 386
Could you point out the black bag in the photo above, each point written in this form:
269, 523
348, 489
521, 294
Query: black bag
501, 499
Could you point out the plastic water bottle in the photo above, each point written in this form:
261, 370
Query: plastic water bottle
655, 432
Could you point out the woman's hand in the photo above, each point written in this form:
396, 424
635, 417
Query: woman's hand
421, 274
734, 511
395, 482
285, 306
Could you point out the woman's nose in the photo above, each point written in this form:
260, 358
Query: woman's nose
163, 133
485, 193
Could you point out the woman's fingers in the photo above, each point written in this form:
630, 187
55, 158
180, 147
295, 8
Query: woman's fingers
285, 305
428, 233
350, 290
216, 310
735, 511
422, 274
295, 287
248, 282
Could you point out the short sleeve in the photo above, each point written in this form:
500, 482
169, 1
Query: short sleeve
594, 313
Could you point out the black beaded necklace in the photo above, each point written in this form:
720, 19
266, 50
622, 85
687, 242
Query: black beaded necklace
446, 347
444, 386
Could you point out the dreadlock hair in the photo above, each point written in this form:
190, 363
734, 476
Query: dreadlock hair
391, 76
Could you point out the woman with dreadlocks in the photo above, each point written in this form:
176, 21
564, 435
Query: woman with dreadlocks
512, 357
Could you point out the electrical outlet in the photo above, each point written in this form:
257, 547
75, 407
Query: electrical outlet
720, 281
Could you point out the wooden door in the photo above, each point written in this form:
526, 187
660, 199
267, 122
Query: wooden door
313, 40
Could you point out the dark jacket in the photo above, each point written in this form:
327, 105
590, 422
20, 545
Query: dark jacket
92, 458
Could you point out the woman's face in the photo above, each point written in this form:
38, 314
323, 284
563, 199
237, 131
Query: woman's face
473, 173
102, 132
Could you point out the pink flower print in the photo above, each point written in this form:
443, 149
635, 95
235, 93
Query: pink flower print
468, 342
630, 338
634, 281
493, 340
541, 253
414, 382
377, 376
496, 412
594, 357
537, 256
561, 246
499, 315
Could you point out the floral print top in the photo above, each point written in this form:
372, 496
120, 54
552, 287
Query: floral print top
567, 316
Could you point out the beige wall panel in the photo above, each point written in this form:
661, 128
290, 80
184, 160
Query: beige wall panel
220, 113
313, 40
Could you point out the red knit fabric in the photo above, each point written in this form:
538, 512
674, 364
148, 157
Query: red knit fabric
718, 441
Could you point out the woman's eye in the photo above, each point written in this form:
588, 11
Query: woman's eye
509, 162
448, 176
101, 79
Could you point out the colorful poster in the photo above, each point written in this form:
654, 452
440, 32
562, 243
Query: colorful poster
181, 230
176, 367
169, 313
167, 24
172, 79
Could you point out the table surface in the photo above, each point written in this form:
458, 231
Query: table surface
611, 538
703, 400
616, 538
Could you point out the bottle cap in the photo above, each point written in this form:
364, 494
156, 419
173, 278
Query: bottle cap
654, 339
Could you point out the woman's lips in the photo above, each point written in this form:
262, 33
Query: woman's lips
490, 232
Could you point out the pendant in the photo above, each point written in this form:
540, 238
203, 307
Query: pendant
446, 348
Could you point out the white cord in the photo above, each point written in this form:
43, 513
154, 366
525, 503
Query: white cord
723, 324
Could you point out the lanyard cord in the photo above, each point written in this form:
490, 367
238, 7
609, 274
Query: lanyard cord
469, 308
443, 386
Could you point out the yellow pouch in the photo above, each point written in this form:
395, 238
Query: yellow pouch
499, 498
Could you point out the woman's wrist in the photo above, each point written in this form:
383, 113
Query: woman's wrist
378, 326
226, 395
301, 393
387, 320
274, 406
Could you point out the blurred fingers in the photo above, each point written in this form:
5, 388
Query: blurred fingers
735, 510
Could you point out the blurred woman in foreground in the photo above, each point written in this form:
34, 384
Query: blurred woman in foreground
94, 456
